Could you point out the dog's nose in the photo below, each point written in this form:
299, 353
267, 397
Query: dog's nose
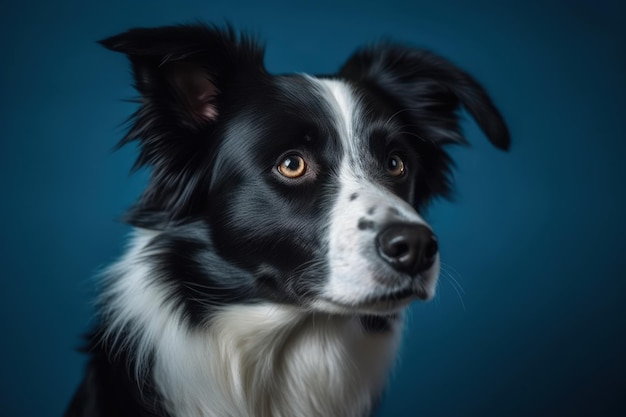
408, 248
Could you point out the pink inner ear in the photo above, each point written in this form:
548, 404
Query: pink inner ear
206, 100
196, 89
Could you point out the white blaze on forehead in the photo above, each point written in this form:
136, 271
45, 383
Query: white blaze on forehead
345, 102
346, 111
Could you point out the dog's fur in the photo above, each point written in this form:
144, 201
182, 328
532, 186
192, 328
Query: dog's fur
247, 290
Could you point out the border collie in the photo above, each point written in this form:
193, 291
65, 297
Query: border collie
279, 238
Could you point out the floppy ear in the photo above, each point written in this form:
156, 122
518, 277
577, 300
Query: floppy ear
181, 73
184, 75
429, 89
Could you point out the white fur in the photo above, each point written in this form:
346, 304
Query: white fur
353, 274
256, 360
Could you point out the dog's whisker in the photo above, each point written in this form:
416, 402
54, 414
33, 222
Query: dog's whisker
393, 116
420, 137
447, 276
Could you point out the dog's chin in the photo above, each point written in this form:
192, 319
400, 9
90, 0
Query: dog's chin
380, 303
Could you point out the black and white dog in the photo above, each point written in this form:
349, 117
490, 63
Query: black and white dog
279, 239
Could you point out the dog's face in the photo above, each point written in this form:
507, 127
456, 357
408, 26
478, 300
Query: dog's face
314, 190
310, 187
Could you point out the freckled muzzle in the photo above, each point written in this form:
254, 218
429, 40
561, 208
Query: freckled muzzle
407, 248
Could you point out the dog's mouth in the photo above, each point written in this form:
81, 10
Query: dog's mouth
397, 298
383, 303
414, 291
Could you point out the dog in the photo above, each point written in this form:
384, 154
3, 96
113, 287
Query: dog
279, 239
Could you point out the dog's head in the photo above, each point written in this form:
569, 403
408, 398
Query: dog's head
310, 186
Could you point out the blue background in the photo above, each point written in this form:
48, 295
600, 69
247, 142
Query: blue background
530, 314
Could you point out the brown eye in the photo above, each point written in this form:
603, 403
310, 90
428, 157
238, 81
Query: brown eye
395, 166
292, 166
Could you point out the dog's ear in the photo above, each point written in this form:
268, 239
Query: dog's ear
185, 76
428, 90
181, 73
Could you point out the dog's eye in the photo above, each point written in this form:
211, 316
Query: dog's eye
395, 165
292, 166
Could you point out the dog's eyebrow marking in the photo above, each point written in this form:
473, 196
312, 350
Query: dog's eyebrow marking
371, 210
366, 224
354, 196
394, 210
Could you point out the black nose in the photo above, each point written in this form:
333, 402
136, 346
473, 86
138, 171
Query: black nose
408, 248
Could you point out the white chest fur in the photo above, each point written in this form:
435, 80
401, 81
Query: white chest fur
268, 360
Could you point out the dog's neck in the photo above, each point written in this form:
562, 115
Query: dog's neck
269, 360
256, 360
